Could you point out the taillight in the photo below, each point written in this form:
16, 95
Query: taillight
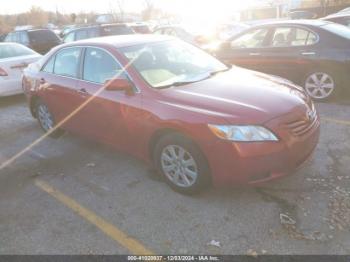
3, 72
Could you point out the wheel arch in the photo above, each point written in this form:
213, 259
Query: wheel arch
158, 134
33, 100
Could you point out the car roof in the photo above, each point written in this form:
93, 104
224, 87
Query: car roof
168, 26
9, 43
305, 22
95, 26
337, 15
119, 41
32, 30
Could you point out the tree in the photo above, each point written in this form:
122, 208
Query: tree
37, 16
149, 9
73, 17
121, 5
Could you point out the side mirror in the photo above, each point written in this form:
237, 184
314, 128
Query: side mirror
118, 84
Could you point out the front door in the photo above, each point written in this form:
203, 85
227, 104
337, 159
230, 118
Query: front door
107, 113
247, 49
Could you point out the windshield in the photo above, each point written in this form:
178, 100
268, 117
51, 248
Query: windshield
116, 30
337, 29
170, 62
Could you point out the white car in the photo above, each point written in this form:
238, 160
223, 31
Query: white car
13, 59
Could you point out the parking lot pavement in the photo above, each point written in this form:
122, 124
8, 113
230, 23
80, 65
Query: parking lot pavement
72, 196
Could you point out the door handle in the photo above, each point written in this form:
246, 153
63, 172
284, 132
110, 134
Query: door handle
21, 65
308, 53
83, 92
254, 54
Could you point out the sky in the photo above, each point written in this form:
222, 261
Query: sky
186, 7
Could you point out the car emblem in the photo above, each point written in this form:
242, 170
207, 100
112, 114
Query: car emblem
310, 115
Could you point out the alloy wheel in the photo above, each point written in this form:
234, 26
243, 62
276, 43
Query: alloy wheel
45, 117
179, 166
319, 85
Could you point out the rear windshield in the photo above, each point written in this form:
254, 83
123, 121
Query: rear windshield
117, 30
340, 30
43, 36
13, 50
143, 29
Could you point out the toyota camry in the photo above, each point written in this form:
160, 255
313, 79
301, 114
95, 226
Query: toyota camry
195, 119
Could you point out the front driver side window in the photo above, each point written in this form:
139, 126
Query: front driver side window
48, 68
252, 39
100, 66
67, 62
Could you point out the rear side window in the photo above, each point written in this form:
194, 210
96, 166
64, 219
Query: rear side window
292, 36
43, 36
116, 30
67, 62
99, 66
252, 39
11, 37
14, 50
23, 38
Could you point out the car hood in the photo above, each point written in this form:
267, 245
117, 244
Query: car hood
240, 96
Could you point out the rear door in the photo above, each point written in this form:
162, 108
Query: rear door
247, 49
291, 52
58, 86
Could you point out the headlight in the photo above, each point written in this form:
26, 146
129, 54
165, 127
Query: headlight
243, 133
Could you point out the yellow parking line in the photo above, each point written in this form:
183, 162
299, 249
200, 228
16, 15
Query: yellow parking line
110, 230
337, 121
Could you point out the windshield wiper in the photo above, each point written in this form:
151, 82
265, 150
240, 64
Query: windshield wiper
179, 83
219, 71
207, 75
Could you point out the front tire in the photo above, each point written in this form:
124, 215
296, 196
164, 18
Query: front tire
182, 164
46, 120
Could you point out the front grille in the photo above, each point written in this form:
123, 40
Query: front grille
303, 126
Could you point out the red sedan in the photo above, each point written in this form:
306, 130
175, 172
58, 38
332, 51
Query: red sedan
173, 105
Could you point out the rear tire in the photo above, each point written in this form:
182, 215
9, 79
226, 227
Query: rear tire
46, 120
182, 164
321, 85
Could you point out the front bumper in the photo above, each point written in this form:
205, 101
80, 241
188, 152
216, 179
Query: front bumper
258, 163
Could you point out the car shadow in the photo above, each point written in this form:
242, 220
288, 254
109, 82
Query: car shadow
11, 100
